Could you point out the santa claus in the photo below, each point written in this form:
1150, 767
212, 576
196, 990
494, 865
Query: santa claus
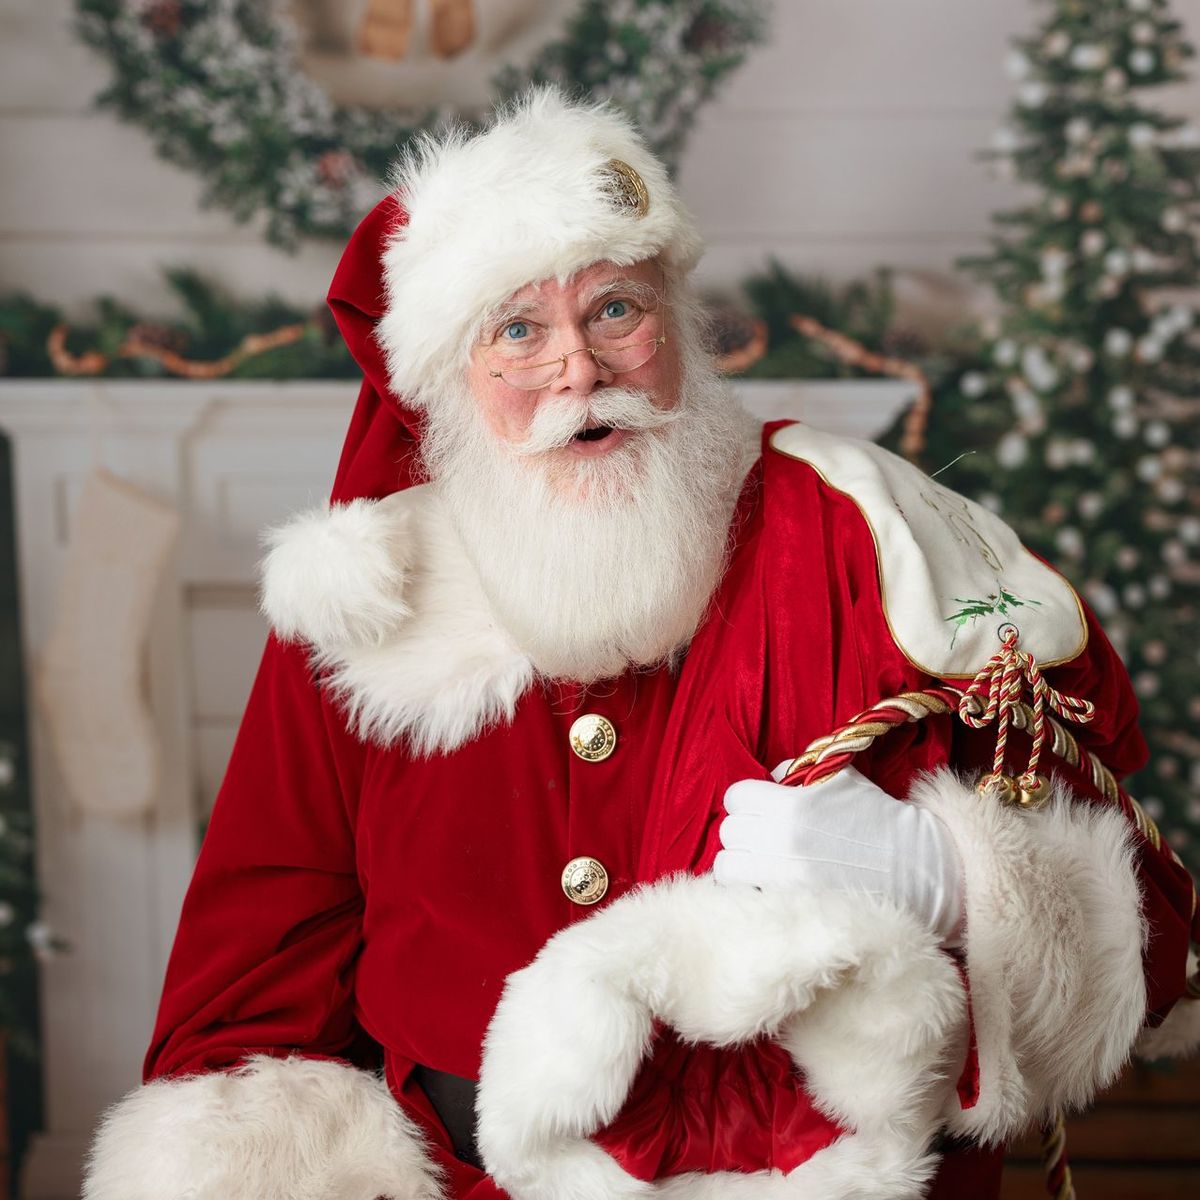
507, 890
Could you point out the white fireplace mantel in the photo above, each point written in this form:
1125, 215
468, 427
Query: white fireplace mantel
232, 458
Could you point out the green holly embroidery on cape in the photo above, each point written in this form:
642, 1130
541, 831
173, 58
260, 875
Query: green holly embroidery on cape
995, 603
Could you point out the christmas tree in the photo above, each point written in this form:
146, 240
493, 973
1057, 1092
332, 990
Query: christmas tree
1083, 407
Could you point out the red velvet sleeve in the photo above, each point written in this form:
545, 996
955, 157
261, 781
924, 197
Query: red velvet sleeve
264, 957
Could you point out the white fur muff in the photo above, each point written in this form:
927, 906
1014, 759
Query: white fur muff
857, 992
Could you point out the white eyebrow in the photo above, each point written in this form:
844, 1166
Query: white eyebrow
646, 296
504, 315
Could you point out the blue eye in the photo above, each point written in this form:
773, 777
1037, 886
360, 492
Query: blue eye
516, 331
615, 308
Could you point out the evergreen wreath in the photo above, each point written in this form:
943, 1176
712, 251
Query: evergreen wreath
218, 86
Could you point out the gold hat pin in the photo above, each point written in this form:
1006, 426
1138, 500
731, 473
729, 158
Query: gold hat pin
627, 187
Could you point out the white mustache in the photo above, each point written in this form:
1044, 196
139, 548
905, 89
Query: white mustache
558, 421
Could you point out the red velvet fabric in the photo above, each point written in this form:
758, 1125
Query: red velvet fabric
356, 902
378, 453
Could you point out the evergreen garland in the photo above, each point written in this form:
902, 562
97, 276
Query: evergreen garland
218, 86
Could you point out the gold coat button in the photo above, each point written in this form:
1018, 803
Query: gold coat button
584, 880
593, 737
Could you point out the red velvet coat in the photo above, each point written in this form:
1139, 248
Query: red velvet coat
352, 901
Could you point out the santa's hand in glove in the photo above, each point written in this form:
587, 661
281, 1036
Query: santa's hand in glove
847, 835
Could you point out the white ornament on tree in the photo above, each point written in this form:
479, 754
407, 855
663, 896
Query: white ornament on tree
1089, 57
1118, 342
973, 384
1078, 130
1121, 398
1142, 61
89, 677
1057, 43
1116, 262
1033, 93
1017, 64
1148, 349
1142, 135
1174, 220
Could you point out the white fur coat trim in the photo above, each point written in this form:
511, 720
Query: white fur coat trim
272, 1129
397, 620
857, 992
526, 200
1054, 938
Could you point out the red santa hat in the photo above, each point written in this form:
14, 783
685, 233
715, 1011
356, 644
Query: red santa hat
549, 187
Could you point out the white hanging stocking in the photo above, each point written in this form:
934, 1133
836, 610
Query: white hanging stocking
89, 680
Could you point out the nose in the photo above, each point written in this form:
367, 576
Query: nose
583, 374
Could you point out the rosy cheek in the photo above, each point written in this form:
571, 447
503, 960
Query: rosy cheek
508, 411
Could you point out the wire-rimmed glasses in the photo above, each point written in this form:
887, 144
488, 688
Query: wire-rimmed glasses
517, 372
617, 359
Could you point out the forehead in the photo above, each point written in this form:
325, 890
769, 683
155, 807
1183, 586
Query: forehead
548, 292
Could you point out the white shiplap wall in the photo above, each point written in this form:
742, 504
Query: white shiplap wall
845, 143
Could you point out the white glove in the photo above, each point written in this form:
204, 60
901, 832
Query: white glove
846, 834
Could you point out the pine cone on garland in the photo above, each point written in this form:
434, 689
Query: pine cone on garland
738, 340
336, 168
705, 34
904, 343
322, 320
162, 337
163, 18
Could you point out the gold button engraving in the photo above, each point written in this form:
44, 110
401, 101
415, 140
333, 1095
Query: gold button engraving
593, 737
584, 880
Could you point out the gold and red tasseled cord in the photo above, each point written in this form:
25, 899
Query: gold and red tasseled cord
1004, 677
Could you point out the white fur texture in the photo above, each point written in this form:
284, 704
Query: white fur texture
1179, 1035
426, 661
336, 575
1054, 937
855, 989
524, 201
273, 1129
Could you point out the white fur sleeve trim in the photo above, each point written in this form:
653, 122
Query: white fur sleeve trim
1054, 938
335, 575
272, 1129
1179, 1035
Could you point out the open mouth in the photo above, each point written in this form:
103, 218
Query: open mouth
597, 434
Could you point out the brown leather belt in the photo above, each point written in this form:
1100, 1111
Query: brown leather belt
453, 1099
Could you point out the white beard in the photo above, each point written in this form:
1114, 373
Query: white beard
595, 565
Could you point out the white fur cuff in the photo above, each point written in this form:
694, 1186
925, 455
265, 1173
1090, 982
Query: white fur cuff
273, 1129
1054, 937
